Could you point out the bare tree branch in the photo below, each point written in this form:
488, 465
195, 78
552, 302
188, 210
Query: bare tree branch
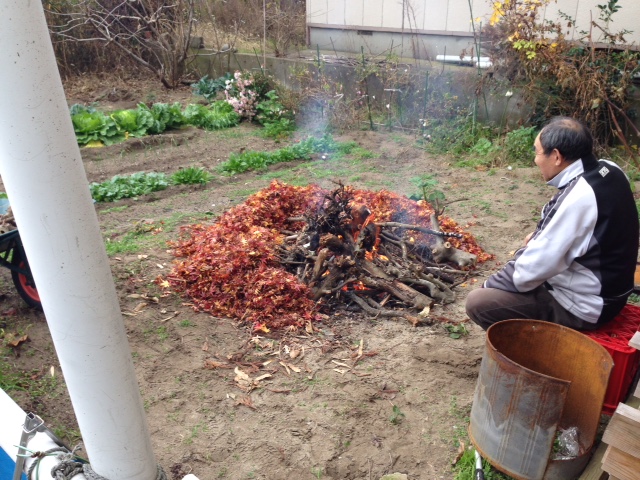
155, 34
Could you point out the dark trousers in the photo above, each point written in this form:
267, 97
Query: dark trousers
486, 306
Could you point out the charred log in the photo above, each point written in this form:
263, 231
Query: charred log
445, 252
405, 293
381, 312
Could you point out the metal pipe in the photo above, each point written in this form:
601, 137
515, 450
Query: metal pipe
480, 62
44, 177
479, 474
12, 418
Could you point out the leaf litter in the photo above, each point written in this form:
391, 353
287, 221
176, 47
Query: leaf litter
231, 268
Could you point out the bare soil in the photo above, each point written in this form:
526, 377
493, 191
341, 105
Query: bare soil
401, 408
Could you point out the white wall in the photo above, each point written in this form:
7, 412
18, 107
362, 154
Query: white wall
453, 17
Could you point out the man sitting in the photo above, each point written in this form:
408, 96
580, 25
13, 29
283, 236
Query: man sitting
576, 269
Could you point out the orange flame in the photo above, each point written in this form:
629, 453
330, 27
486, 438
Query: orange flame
359, 286
355, 286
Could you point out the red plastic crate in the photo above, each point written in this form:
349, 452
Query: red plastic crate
614, 337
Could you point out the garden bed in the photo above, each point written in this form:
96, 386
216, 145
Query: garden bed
350, 397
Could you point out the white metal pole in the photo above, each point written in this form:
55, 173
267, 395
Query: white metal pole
43, 174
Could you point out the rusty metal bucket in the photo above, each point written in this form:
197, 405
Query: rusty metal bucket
535, 378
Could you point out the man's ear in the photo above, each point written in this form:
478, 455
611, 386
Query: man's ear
558, 158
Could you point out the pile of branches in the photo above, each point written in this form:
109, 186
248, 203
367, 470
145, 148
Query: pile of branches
347, 252
289, 252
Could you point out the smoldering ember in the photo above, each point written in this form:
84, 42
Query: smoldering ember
289, 253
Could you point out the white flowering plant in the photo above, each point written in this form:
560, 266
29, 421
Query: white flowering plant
240, 93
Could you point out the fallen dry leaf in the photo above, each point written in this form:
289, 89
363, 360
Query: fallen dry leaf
246, 401
289, 366
13, 341
175, 314
278, 390
415, 321
243, 380
459, 454
213, 364
140, 306
286, 367
340, 364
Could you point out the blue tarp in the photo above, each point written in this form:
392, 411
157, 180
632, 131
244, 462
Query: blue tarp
7, 466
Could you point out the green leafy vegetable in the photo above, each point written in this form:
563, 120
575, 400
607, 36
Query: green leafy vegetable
191, 176
241, 162
279, 129
164, 116
209, 88
128, 186
94, 126
216, 116
132, 123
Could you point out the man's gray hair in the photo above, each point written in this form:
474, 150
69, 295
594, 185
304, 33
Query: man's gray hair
569, 136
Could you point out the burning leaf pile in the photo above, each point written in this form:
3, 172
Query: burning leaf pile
289, 252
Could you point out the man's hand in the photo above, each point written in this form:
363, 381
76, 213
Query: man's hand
528, 237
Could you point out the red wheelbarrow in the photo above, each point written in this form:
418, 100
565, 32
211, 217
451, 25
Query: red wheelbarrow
13, 257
